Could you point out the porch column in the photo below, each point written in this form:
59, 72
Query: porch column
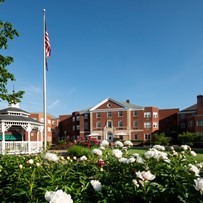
3, 137
41, 129
29, 144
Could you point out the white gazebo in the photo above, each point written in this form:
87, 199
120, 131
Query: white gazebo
19, 134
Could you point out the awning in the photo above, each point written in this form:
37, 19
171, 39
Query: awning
121, 134
93, 134
10, 137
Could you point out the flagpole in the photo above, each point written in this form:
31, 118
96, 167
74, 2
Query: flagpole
44, 84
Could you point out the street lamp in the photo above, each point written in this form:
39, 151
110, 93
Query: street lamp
65, 136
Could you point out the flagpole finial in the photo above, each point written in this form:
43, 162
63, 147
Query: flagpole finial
44, 10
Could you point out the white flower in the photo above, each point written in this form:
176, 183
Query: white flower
104, 143
131, 160
48, 195
194, 169
193, 153
140, 160
136, 155
96, 185
98, 152
184, 147
102, 148
117, 153
30, 161
51, 157
156, 154
83, 158
37, 164
200, 165
118, 144
58, 197
139, 175
123, 160
74, 158
150, 154
135, 182
128, 143
159, 147
199, 185
20, 166
145, 175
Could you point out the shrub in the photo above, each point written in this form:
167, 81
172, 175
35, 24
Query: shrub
88, 142
78, 151
108, 176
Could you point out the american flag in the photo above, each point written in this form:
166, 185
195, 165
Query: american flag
47, 44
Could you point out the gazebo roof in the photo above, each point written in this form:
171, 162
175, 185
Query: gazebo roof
12, 109
18, 118
14, 114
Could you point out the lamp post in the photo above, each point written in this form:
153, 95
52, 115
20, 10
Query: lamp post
65, 136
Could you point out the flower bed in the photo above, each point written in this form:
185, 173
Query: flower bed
103, 176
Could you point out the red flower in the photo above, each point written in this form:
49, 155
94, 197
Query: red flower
101, 162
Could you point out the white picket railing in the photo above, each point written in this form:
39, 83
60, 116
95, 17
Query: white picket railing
21, 147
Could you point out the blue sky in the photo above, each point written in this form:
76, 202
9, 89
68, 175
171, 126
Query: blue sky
150, 52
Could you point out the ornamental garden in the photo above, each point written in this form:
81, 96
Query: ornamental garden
103, 174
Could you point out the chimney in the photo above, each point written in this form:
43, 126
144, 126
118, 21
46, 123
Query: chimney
127, 101
199, 104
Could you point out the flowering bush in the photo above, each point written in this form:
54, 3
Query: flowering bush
107, 175
88, 142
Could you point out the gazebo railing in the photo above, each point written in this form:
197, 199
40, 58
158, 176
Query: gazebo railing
21, 147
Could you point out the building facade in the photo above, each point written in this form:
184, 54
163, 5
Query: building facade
52, 126
191, 118
112, 120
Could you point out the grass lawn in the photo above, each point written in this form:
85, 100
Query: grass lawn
141, 151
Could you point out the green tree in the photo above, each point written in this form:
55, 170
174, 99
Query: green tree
188, 138
161, 139
7, 32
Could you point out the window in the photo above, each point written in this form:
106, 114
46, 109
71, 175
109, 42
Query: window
42, 120
86, 115
73, 127
182, 125
147, 114
120, 137
135, 113
120, 123
98, 124
135, 123
53, 122
182, 116
77, 118
120, 114
73, 119
199, 123
77, 127
147, 136
135, 136
98, 115
155, 125
108, 114
86, 126
49, 129
190, 124
49, 121
109, 124
155, 114
147, 125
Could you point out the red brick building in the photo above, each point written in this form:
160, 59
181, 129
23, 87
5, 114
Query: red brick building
191, 118
113, 120
52, 125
